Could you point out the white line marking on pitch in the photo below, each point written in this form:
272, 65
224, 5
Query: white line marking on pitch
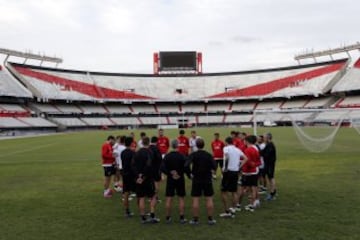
27, 150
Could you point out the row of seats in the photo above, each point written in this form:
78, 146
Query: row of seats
181, 108
24, 122
27, 122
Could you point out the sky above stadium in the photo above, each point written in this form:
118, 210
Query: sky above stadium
122, 35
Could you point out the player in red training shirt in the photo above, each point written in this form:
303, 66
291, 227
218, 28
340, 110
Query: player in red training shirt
108, 163
163, 143
134, 143
217, 147
238, 140
250, 170
184, 144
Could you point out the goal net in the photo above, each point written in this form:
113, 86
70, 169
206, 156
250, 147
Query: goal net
315, 129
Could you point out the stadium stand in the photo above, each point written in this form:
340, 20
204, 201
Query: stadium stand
98, 121
311, 79
81, 99
12, 107
168, 108
93, 109
238, 118
153, 120
218, 107
193, 108
351, 80
290, 104
118, 109
12, 88
45, 108
24, 122
68, 108
321, 102
126, 121
243, 106
210, 119
37, 122
348, 101
69, 121
275, 104
142, 108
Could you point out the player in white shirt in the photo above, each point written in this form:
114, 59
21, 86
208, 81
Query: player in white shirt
261, 145
140, 143
229, 183
117, 150
192, 141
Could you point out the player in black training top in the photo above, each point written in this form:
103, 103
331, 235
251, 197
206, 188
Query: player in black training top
127, 174
269, 155
174, 168
145, 185
156, 165
202, 166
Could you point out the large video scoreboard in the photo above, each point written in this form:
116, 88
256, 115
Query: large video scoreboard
177, 62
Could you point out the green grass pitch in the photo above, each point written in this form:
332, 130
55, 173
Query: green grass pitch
51, 188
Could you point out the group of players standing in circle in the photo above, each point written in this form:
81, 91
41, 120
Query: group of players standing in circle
247, 165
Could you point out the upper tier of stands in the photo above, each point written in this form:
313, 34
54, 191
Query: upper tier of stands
312, 79
350, 81
11, 87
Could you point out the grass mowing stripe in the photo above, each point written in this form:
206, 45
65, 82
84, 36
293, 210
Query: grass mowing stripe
27, 150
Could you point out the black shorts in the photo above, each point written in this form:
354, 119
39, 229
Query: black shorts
157, 177
262, 172
146, 189
128, 184
219, 163
175, 186
270, 170
202, 188
109, 171
249, 180
229, 182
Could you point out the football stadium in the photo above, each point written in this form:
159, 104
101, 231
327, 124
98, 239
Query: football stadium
63, 174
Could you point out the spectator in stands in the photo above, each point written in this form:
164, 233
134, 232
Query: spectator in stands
192, 141
163, 143
174, 168
202, 164
108, 163
269, 155
183, 143
217, 147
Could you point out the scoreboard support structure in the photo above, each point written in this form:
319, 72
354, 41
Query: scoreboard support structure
176, 58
